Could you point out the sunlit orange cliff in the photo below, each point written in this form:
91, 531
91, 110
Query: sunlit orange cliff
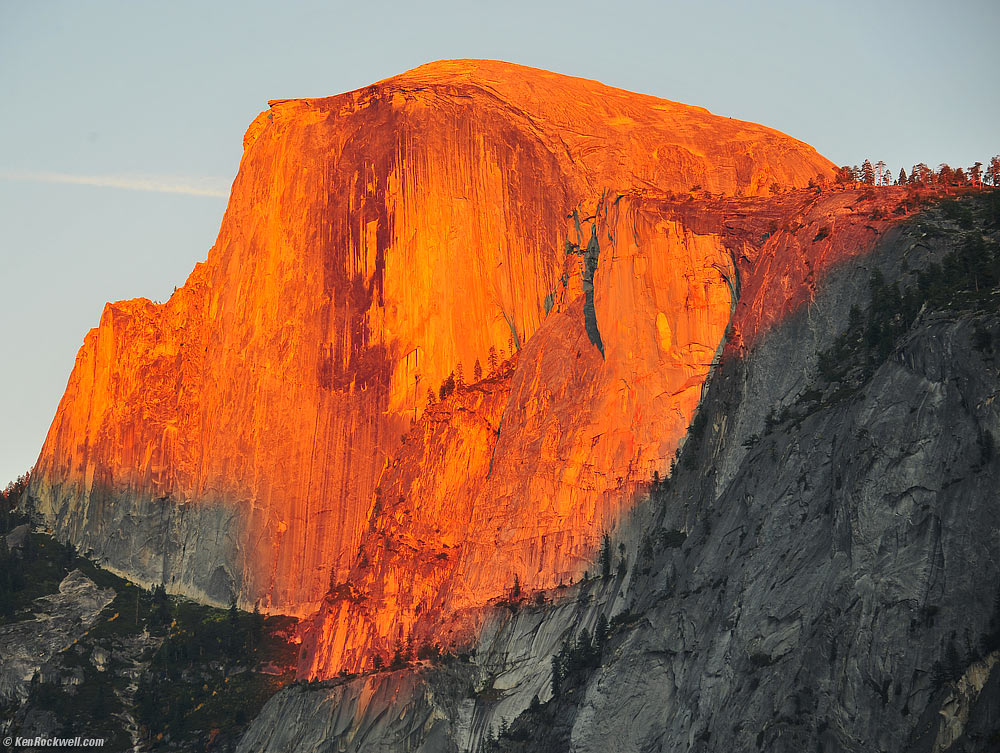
273, 432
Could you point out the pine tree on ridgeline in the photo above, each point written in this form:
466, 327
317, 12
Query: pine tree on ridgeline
993, 171
976, 174
867, 173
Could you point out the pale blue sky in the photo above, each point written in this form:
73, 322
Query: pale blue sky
122, 121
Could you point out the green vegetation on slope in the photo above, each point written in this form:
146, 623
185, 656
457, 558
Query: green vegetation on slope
170, 673
966, 279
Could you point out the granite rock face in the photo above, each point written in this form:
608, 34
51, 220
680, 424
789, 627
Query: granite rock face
819, 552
826, 578
533, 466
58, 621
449, 707
818, 555
516, 477
352, 715
244, 438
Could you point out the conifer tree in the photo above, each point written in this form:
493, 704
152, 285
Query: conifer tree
921, 174
993, 171
70, 555
447, 386
605, 556
7, 585
161, 606
582, 656
976, 174
845, 174
556, 676
867, 173
601, 633
233, 629
257, 624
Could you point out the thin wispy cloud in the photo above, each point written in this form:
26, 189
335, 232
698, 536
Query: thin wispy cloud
160, 184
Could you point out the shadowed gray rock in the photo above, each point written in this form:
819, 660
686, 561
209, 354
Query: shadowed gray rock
59, 620
835, 558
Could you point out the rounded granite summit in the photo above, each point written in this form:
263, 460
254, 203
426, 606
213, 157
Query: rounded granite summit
247, 435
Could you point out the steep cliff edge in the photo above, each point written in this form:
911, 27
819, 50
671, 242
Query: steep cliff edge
820, 572
837, 583
532, 467
230, 441
515, 478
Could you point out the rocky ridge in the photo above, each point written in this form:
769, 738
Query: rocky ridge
820, 570
58, 621
249, 437
817, 571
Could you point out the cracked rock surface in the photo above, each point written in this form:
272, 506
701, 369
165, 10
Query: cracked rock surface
58, 621
840, 546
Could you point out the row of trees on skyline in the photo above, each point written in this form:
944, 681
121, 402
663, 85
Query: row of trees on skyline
878, 174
